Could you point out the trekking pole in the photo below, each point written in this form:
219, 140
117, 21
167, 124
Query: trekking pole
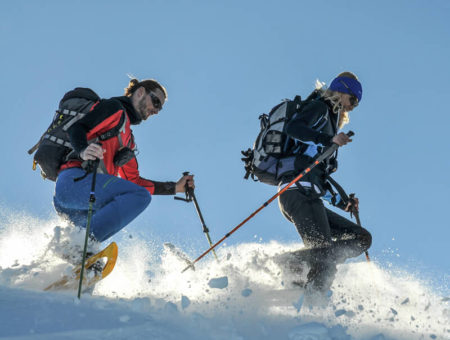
190, 196
328, 152
88, 223
358, 221
349, 199
205, 228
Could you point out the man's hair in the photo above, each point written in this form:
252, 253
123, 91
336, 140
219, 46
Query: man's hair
148, 84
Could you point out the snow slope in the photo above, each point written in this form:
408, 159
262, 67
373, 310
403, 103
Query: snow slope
245, 296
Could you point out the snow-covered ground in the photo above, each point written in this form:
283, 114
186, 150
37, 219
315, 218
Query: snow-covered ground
245, 296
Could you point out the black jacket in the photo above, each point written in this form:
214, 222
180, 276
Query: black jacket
312, 130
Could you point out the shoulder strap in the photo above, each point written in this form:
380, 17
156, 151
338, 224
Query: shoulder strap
297, 99
115, 130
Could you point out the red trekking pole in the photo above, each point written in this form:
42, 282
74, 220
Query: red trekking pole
327, 153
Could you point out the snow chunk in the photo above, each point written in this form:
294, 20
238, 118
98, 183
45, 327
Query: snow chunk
246, 292
170, 308
219, 283
185, 302
350, 314
340, 312
405, 301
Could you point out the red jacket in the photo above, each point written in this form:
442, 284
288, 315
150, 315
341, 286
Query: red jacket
105, 116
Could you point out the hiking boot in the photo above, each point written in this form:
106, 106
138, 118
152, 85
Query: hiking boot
67, 243
320, 277
73, 253
96, 269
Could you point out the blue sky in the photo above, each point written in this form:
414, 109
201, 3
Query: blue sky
223, 63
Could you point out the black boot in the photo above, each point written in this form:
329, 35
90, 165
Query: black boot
321, 276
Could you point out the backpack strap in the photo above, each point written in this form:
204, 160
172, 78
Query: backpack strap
115, 131
57, 140
339, 189
299, 104
298, 100
35, 146
76, 116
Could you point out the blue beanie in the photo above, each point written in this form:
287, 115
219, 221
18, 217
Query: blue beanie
347, 85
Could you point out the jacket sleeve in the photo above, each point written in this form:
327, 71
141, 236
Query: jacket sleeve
300, 127
334, 199
130, 172
107, 110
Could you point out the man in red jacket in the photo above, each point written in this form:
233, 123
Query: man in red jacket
118, 199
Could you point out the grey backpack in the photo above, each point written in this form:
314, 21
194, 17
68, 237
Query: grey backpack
270, 157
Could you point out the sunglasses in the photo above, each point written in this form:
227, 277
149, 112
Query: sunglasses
353, 99
155, 101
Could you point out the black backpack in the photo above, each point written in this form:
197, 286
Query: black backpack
54, 149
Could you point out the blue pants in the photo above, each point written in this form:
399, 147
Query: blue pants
118, 201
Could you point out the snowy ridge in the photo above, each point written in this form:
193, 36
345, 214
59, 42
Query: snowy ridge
245, 296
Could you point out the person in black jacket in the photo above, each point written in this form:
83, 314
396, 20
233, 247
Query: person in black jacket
329, 238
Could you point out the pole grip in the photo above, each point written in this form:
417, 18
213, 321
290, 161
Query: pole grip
187, 190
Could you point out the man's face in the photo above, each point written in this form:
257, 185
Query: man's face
150, 103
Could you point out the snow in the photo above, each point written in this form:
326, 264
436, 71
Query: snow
245, 296
219, 283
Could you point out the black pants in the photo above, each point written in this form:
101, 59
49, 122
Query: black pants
328, 237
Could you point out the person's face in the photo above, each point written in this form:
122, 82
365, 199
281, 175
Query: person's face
149, 103
348, 102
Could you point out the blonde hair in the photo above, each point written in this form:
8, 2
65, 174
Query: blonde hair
335, 98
